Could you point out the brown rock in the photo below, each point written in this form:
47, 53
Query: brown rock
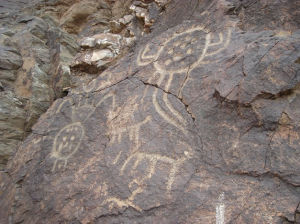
199, 124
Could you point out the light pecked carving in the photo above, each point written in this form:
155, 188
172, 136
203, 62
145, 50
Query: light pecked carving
179, 54
68, 140
120, 123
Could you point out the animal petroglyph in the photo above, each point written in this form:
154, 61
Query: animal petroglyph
68, 140
180, 54
138, 184
116, 131
120, 123
153, 160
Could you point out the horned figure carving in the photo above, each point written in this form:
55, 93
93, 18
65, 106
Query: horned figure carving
120, 122
180, 54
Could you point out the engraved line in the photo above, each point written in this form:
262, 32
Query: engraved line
222, 48
219, 42
164, 115
171, 108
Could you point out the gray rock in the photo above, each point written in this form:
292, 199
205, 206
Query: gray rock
10, 59
12, 123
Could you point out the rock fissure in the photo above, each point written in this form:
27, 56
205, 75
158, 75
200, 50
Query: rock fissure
172, 94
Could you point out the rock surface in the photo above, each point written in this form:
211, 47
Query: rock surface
37, 50
200, 123
32, 53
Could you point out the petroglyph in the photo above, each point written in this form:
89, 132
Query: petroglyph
120, 123
117, 157
179, 54
113, 201
152, 160
101, 82
38, 140
138, 184
164, 114
68, 140
116, 130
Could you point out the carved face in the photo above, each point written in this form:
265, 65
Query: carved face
182, 51
67, 141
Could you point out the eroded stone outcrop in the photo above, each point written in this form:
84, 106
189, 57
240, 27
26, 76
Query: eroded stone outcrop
198, 124
35, 56
37, 51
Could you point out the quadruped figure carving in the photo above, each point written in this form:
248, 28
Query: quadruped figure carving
120, 122
152, 162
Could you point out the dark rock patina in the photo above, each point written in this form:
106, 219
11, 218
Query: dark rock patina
200, 124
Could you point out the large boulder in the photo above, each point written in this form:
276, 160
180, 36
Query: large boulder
199, 124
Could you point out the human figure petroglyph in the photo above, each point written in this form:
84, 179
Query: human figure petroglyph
68, 140
177, 55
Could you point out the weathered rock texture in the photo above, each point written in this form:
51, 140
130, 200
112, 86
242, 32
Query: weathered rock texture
34, 66
37, 50
199, 124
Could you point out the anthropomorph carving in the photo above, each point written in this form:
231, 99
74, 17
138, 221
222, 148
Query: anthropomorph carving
68, 140
180, 54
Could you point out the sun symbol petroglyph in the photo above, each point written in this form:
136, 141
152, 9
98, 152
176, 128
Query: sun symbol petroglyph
180, 54
68, 140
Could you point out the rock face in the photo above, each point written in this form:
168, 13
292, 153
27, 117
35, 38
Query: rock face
34, 60
200, 123
37, 50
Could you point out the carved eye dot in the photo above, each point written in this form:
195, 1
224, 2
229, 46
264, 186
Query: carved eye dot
177, 58
176, 44
187, 38
171, 51
182, 46
168, 62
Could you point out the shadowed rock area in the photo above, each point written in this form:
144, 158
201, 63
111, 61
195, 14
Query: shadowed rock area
183, 112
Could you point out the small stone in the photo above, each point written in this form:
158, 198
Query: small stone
101, 55
87, 42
